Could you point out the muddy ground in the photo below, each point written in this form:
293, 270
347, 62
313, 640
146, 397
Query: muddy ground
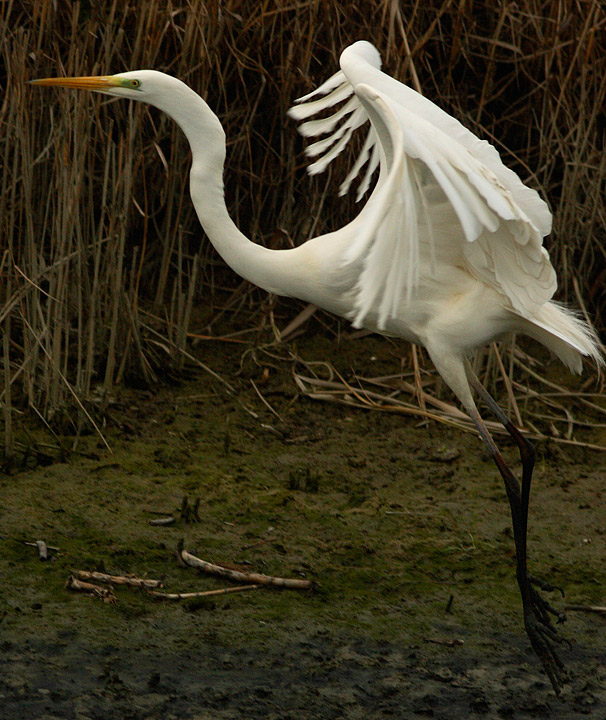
403, 528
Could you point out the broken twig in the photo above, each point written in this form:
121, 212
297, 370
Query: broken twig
587, 608
129, 580
240, 576
204, 593
162, 521
89, 589
43, 548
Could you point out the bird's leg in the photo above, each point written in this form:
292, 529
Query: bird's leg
527, 456
537, 612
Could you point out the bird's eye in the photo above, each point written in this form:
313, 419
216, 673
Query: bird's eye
135, 83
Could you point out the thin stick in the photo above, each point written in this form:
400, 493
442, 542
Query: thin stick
170, 520
587, 608
35, 544
90, 589
506, 379
165, 341
300, 320
205, 593
239, 576
418, 388
413, 71
265, 402
130, 580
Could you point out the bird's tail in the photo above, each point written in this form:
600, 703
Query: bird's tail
567, 335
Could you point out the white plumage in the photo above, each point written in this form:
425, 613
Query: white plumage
431, 167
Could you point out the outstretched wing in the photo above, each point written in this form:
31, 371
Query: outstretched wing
441, 194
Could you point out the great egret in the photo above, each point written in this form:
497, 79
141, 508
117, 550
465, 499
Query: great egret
447, 252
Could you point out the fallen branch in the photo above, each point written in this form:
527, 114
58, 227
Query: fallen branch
238, 575
334, 388
587, 608
89, 589
204, 593
43, 548
130, 580
170, 520
35, 544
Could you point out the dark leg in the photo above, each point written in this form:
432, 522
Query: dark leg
537, 612
526, 448
527, 455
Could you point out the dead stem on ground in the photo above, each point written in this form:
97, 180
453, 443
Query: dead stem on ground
402, 393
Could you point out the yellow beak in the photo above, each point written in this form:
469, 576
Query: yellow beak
99, 82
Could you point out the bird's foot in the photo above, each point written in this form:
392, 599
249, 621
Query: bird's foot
543, 635
547, 586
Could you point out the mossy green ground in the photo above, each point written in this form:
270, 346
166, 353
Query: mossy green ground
403, 545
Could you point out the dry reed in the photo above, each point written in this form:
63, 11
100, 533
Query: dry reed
100, 251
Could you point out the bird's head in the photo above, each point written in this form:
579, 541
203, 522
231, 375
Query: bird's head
143, 85
174, 97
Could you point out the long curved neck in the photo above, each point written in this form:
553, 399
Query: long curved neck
268, 269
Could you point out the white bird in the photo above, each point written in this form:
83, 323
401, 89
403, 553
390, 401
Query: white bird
447, 252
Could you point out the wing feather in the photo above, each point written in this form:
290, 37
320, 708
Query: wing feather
369, 154
433, 171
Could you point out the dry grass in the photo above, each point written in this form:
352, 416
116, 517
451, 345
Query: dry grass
100, 251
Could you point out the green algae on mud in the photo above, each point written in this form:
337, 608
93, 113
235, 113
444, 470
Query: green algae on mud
406, 549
